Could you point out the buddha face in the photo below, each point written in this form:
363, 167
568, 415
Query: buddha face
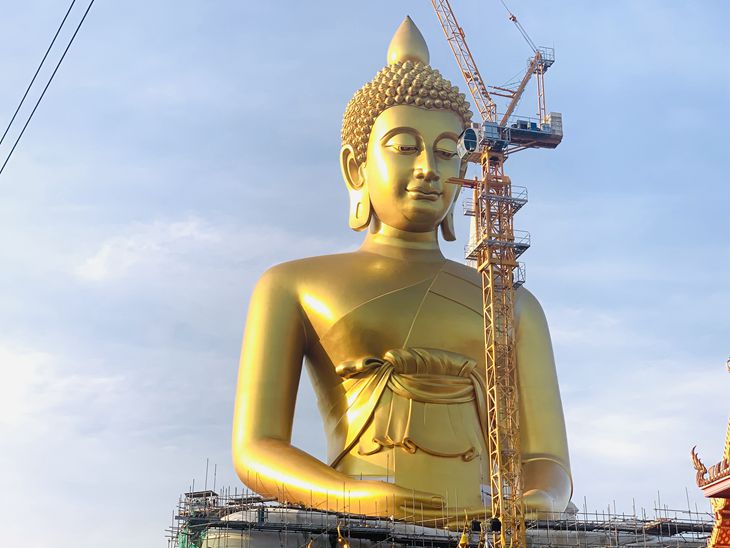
411, 154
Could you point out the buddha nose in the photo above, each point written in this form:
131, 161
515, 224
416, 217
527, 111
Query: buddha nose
426, 170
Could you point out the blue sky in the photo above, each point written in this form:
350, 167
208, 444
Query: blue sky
185, 146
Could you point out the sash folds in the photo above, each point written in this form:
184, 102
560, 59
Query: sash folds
416, 399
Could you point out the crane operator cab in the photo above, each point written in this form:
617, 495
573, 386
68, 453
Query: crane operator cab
467, 142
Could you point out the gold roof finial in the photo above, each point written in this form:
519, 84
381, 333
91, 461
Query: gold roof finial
408, 44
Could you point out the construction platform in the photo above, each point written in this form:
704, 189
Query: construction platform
209, 519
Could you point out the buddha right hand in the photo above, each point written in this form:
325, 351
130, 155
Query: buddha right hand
387, 499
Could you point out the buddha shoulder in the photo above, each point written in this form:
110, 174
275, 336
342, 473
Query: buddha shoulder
527, 308
463, 272
334, 281
339, 283
311, 271
343, 272
342, 281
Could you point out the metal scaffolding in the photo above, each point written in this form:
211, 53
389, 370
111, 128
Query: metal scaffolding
240, 519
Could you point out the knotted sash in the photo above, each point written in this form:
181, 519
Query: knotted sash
416, 399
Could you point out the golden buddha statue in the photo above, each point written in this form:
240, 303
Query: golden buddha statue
392, 334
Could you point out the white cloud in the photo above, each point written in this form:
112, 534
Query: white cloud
631, 423
571, 325
180, 246
71, 451
143, 245
637, 396
38, 385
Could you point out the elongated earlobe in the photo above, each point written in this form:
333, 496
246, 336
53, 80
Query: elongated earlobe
448, 230
354, 175
360, 209
462, 168
374, 223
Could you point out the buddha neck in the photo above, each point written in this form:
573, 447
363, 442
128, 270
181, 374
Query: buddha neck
400, 244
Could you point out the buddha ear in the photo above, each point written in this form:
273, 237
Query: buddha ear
448, 230
354, 175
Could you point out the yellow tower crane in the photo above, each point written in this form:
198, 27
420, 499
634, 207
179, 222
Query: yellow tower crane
494, 250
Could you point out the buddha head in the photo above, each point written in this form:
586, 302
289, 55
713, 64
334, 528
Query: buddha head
399, 136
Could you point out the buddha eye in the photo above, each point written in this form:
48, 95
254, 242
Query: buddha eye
404, 149
445, 149
445, 154
403, 144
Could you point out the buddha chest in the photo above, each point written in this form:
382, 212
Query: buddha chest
442, 311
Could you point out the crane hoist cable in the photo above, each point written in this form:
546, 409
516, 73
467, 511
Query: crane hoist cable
513, 18
48, 83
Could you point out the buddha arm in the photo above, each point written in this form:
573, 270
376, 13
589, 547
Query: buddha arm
547, 480
264, 459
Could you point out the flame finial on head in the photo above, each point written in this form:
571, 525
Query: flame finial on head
408, 79
408, 44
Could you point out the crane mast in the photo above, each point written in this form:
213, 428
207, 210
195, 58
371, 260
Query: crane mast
495, 248
496, 251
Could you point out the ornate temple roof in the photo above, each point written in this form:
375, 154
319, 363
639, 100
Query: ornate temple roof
715, 484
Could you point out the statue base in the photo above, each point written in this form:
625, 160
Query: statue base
208, 520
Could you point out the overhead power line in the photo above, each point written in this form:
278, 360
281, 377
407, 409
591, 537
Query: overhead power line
40, 66
55, 70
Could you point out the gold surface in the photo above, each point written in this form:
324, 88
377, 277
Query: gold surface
408, 44
392, 339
